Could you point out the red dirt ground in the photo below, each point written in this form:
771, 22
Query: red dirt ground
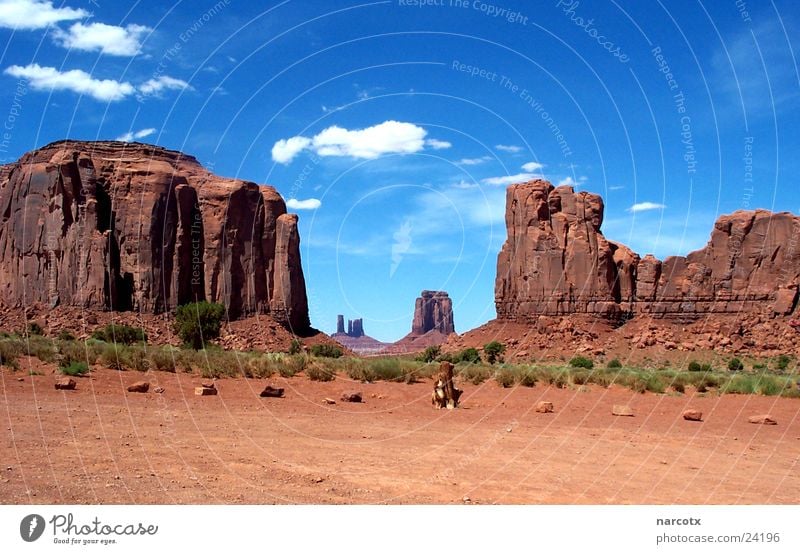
100, 444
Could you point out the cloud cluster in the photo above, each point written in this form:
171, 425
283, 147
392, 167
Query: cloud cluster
130, 135
106, 39
77, 80
389, 137
30, 15
646, 206
308, 204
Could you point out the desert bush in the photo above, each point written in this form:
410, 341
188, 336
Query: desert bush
759, 366
291, 365
386, 369
120, 334
505, 377
10, 350
694, 365
740, 384
469, 356
295, 347
735, 364
770, 386
65, 335
261, 366
494, 351
75, 368
527, 377
581, 362
319, 372
473, 373
326, 351
678, 386
198, 322
35, 329
580, 377
42, 348
782, 362
165, 359
654, 383
614, 364
430, 354
73, 351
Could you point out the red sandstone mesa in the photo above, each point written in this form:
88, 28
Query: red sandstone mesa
556, 261
119, 226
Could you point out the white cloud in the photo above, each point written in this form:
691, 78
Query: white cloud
530, 167
107, 39
437, 144
130, 135
35, 14
389, 137
616, 187
49, 78
510, 179
567, 181
509, 148
309, 204
162, 82
285, 150
473, 161
645, 206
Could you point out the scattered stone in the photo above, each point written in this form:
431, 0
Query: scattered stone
272, 392
762, 420
466, 500
544, 407
621, 410
20, 379
206, 389
329, 401
352, 396
693, 415
139, 386
159, 390
66, 383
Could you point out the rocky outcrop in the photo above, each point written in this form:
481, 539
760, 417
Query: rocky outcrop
354, 338
433, 311
127, 226
557, 262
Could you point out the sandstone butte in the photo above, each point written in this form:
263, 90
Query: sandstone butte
128, 226
556, 261
561, 287
432, 323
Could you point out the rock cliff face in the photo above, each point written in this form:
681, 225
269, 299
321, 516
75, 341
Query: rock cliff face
433, 311
556, 261
121, 226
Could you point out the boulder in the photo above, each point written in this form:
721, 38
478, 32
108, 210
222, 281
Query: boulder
206, 389
159, 390
622, 410
544, 407
693, 415
352, 396
66, 383
272, 392
763, 419
139, 386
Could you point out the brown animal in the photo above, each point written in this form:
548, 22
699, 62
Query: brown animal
445, 394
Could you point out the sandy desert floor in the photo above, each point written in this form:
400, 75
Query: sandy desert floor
101, 444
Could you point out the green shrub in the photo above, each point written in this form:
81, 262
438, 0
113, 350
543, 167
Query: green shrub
654, 383
782, 362
678, 386
65, 335
735, 364
318, 372
473, 373
73, 351
580, 378
505, 377
42, 348
386, 369
527, 377
469, 356
296, 346
291, 365
614, 364
740, 384
75, 368
165, 358
10, 350
494, 351
769, 386
326, 351
430, 354
261, 366
35, 329
120, 334
694, 365
760, 366
198, 322
581, 362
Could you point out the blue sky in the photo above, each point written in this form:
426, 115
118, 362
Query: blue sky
393, 128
